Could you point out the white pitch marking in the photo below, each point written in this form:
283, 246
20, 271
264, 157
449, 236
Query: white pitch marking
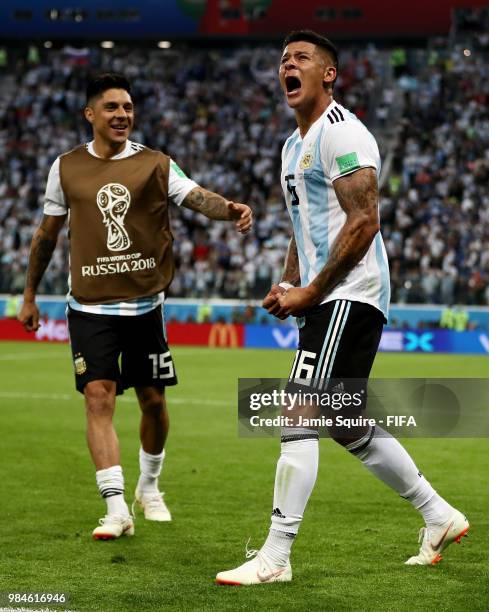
21, 395
68, 397
22, 356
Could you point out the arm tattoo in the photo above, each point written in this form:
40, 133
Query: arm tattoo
208, 203
358, 196
42, 247
291, 269
41, 252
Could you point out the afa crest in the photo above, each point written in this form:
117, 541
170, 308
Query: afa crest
306, 161
80, 365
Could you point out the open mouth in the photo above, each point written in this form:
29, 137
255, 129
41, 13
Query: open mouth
119, 128
292, 85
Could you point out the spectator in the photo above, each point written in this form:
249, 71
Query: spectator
221, 116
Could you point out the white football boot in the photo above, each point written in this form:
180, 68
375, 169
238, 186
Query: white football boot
260, 570
153, 506
434, 540
113, 526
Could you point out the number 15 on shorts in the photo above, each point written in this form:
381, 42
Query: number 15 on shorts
162, 365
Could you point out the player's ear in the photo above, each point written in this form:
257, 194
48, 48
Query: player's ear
329, 74
88, 112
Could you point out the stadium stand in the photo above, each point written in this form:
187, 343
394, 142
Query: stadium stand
220, 114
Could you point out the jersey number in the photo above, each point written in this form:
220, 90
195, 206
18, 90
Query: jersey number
162, 365
291, 189
302, 371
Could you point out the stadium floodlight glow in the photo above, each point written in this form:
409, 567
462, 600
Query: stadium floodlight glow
467, 52
107, 44
48, 44
164, 44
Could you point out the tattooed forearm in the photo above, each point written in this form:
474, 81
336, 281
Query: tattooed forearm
291, 269
358, 196
42, 247
41, 252
347, 251
208, 203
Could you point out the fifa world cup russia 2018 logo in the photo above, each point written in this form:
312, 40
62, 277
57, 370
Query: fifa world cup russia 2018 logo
113, 201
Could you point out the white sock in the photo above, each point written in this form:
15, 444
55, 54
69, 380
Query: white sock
150, 466
435, 510
277, 546
110, 483
294, 481
384, 456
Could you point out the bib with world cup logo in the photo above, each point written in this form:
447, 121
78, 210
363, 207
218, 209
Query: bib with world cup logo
120, 239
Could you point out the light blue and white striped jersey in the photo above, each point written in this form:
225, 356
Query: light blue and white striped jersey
54, 204
335, 145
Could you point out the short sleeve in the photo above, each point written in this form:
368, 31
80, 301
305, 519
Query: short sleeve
179, 185
347, 147
54, 199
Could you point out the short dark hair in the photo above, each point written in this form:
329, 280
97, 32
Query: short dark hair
316, 39
109, 80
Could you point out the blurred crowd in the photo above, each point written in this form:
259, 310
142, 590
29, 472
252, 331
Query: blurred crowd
222, 118
435, 204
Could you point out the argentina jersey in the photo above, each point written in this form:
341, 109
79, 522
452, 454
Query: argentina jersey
336, 145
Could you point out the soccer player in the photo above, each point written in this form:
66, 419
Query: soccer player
336, 281
115, 193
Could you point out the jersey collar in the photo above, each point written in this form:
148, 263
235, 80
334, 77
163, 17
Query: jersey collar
126, 152
318, 120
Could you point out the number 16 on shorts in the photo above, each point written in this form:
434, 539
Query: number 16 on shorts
162, 365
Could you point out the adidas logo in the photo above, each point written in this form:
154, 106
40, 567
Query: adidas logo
276, 512
335, 115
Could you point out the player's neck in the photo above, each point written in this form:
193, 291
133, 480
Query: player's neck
106, 149
305, 117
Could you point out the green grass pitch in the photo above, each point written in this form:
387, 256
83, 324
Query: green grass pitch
353, 542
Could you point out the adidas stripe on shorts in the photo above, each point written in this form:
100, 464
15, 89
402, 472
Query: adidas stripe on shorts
337, 340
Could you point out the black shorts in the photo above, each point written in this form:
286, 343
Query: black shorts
97, 342
337, 340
